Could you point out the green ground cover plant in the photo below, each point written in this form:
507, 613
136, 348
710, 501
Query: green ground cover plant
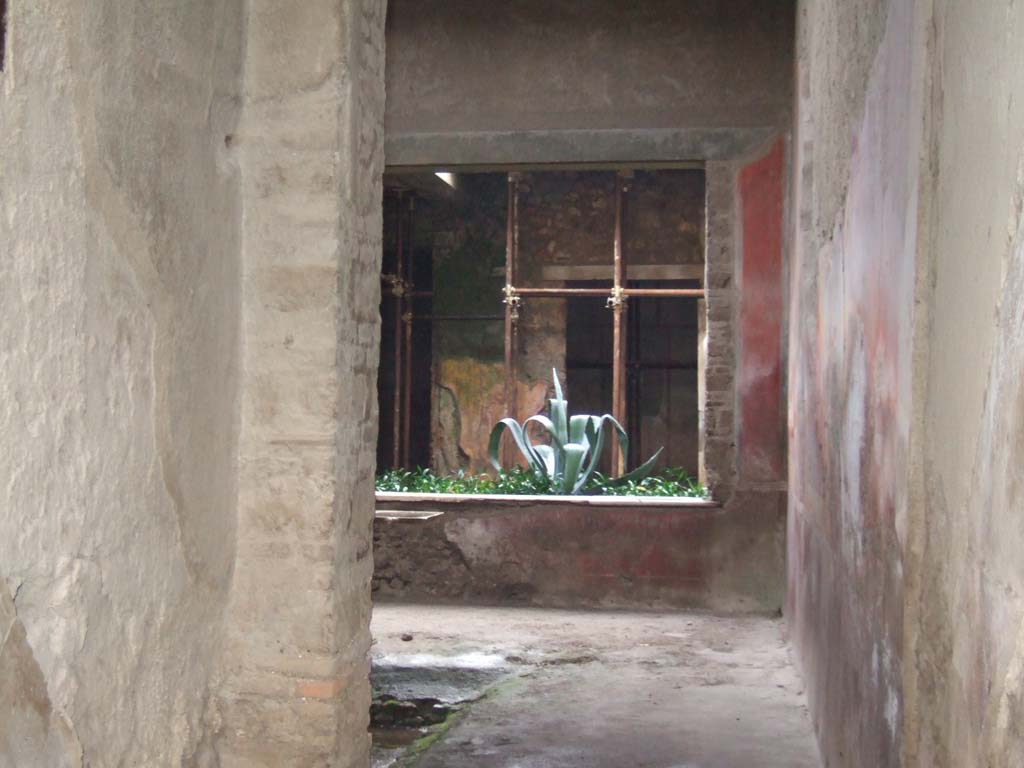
522, 482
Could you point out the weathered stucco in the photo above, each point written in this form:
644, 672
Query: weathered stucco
572, 81
965, 601
184, 571
760, 322
905, 377
584, 553
852, 292
119, 297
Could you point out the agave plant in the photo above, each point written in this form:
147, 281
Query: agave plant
571, 458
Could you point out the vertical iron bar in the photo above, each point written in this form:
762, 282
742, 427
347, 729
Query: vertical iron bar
397, 301
516, 305
509, 281
619, 339
407, 319
632, 378
511, 302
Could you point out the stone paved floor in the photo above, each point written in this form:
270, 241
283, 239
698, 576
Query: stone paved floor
601, 690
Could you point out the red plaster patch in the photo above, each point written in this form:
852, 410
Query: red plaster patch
762, 411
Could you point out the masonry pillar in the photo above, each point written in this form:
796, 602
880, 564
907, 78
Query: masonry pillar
718, 430
295, 684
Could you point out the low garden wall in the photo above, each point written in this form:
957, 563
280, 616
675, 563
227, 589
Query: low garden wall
578, 552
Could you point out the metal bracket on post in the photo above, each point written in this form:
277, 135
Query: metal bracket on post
513, 300
617, 300
396, 283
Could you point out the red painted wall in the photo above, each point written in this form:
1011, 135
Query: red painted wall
850, 405
762, 436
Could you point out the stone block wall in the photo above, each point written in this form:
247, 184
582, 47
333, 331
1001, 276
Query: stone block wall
295, 688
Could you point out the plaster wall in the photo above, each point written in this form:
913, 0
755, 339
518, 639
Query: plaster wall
119, 326
582, 76
906, 369
467, 238
965, 600
857, 147
760, 390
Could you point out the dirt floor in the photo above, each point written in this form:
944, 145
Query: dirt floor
458, 687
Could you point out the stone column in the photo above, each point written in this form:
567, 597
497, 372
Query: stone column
295, 686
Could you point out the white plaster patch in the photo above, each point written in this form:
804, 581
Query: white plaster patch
473, 660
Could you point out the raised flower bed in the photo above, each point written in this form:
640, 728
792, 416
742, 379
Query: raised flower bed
641, 551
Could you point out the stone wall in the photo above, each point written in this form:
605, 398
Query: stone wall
119, 296
467, 246
295, 689
566, 81
851, 357
572, 554
568, 218
964, 643
906, 433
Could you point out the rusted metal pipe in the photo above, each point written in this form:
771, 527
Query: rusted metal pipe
557, 293
509, 282
512, 300
455, 318
697, 293
407, 402
407, 319
516, 308
617, 302
397, 292
560, 292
